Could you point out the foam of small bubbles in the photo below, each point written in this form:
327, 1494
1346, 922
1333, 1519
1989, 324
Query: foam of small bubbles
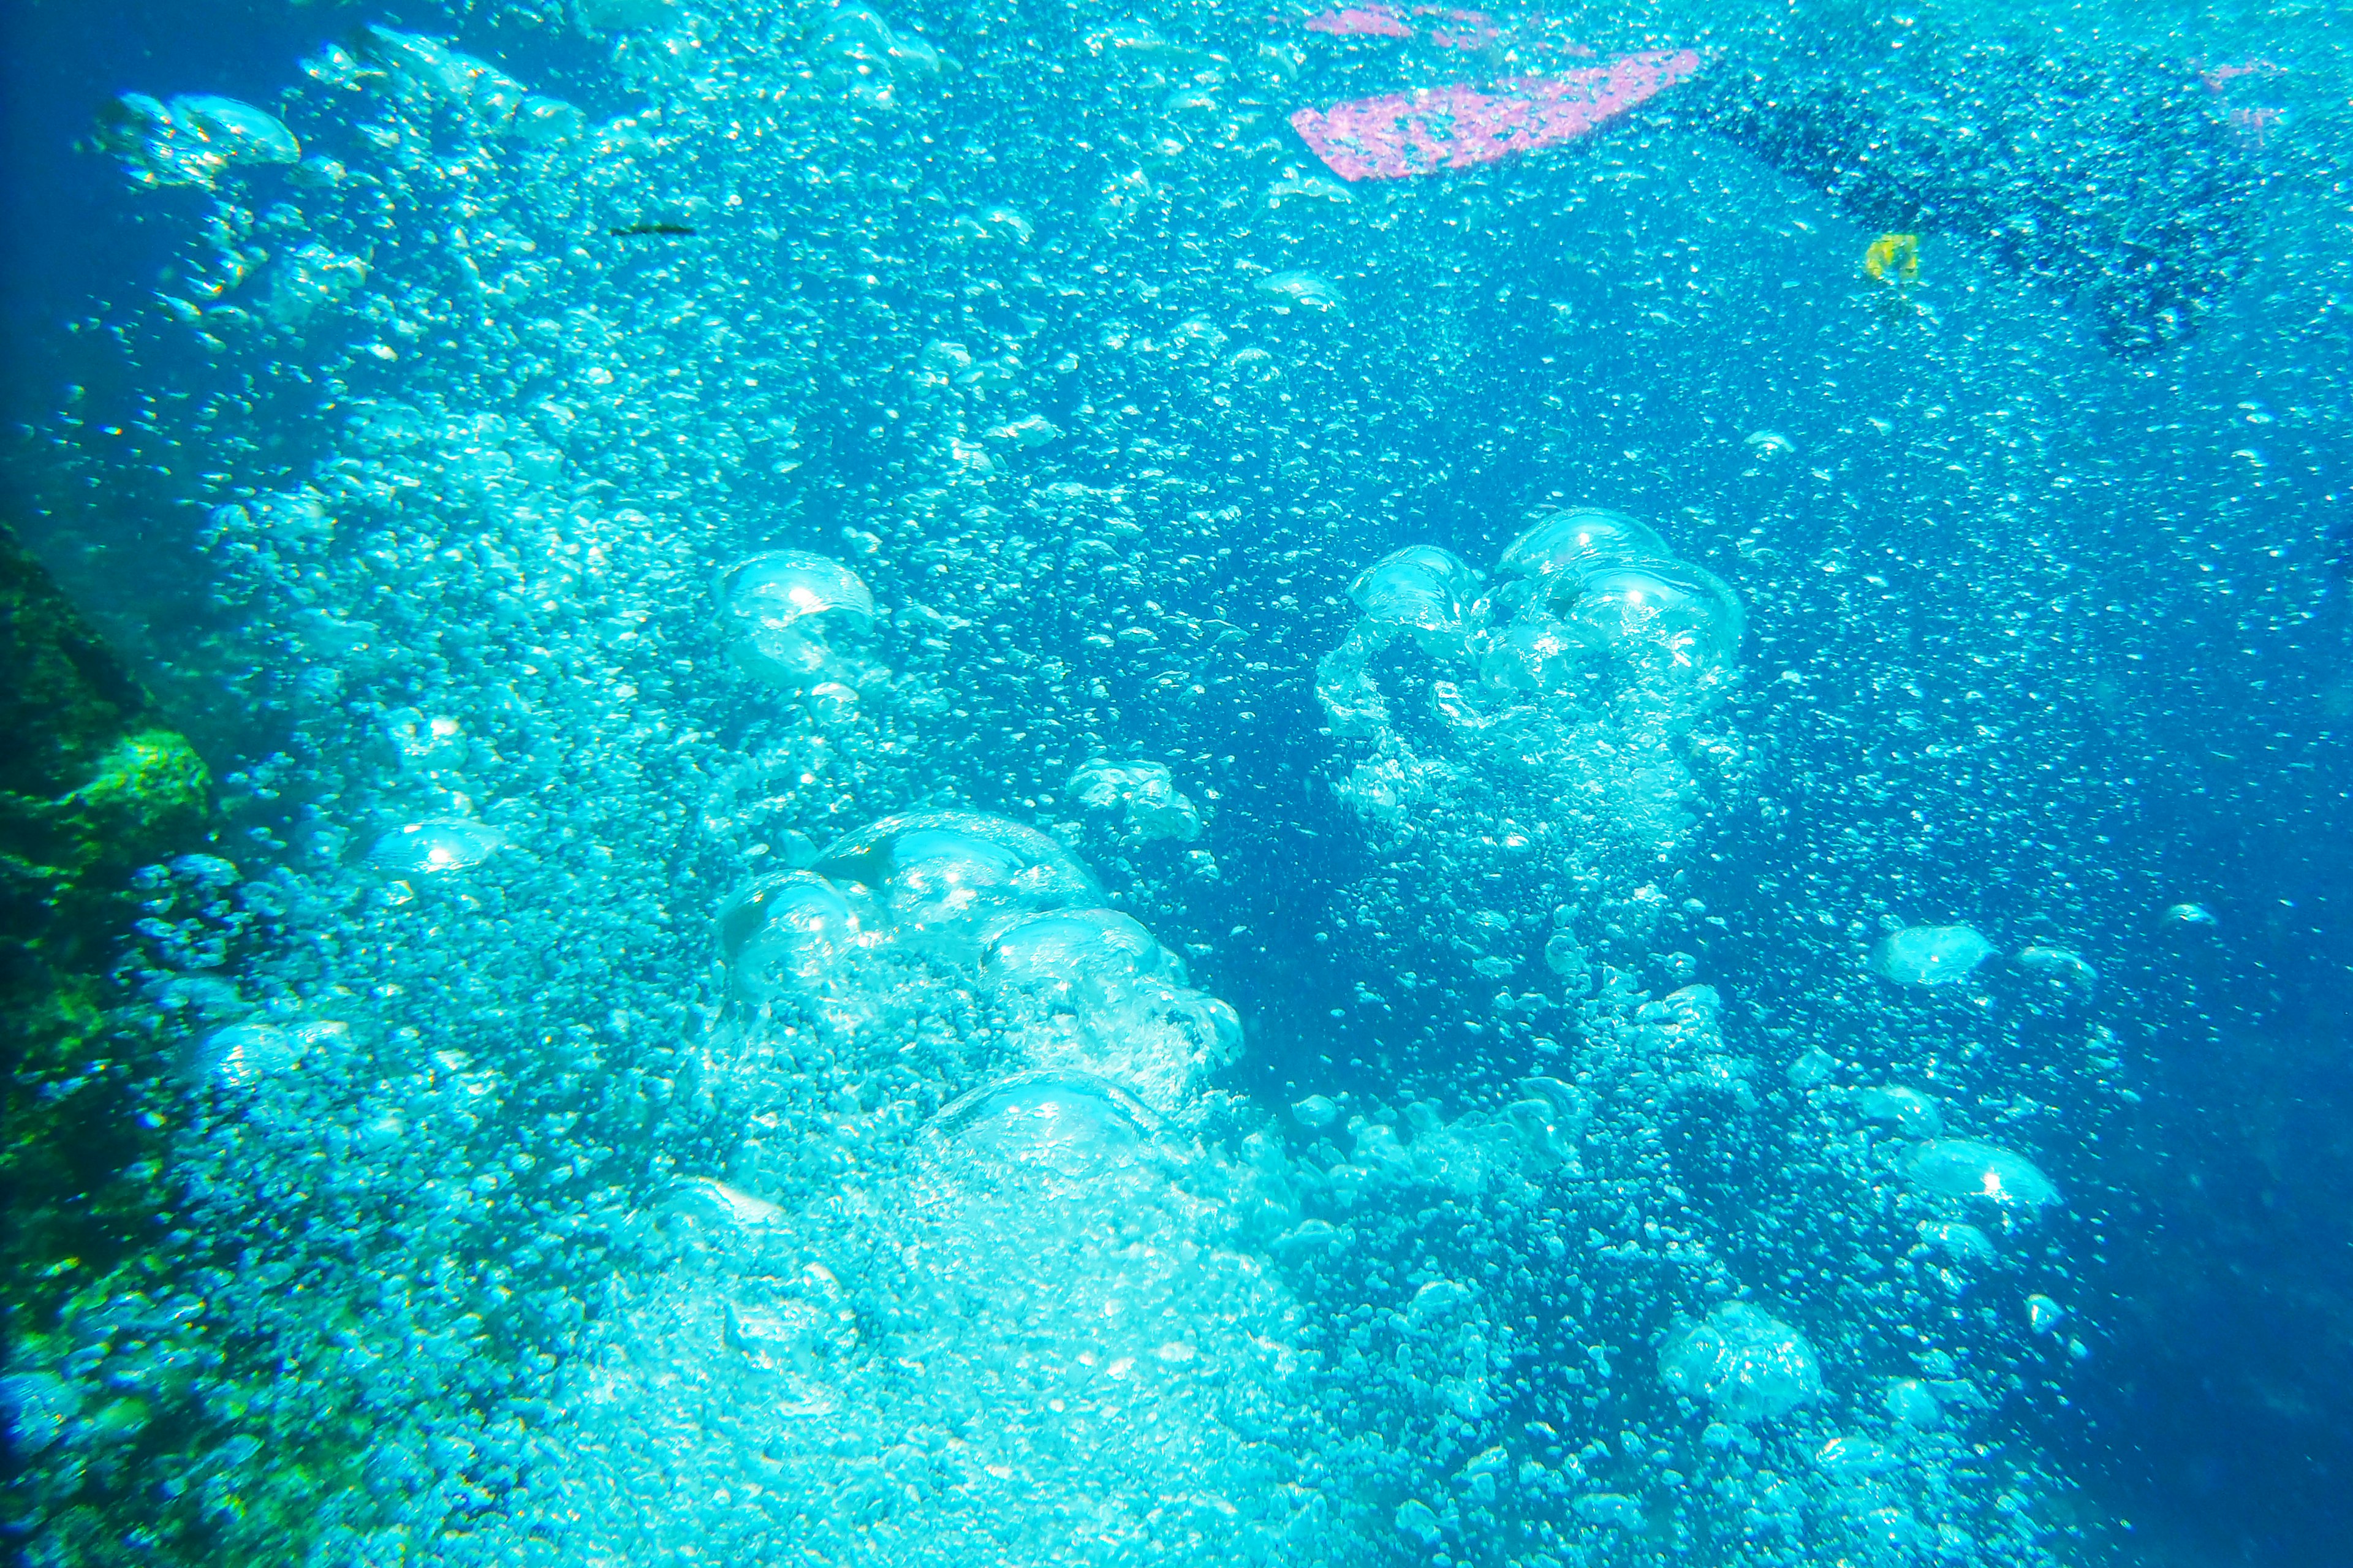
621, 1154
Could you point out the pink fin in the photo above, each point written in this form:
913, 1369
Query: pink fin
1402, 134
1361, 21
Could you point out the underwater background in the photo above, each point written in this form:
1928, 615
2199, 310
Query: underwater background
810, 783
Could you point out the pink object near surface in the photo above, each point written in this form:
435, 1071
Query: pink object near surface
1401, 134
1381, 21
1361, 22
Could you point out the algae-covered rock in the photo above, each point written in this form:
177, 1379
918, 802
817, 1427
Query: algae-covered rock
93, 786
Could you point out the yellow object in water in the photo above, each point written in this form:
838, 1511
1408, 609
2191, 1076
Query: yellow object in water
1893, 259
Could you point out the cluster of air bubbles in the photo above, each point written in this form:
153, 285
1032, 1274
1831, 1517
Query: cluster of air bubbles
1040, 1240
995, 1273
427, 73
1583, 601
193, 140
1140, 798
1571, 722
1588, 579
1077, 985
1958, 956
1421, 592
860, 58
1092, 989
245, 1054
1747, 1365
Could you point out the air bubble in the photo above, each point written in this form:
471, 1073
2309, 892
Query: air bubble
1068, 1126
430, 849
1747, 1365
1301, 290
1962, 1168
1930, 955
2069, 974
796, 620
1421, 588
784, 932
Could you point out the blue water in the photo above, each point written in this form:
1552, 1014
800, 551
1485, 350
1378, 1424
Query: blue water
910, 872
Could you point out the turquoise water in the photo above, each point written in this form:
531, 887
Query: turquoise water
968, 821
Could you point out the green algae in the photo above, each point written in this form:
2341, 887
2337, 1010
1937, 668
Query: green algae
150, 782
93, 786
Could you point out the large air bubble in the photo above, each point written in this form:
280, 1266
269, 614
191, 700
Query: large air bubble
2067, 973
1605, 581
1965, 1169
1930, 955
796, 620
1055, 1125
788, 931
1578, 538
430, 849
1065, 955
1421, 588
1668, 611
950, 880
